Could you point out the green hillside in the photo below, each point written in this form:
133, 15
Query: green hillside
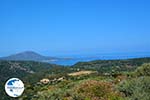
133, 85
28, 71
103, 66
96, 80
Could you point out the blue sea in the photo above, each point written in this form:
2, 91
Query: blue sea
71, 61
76, 59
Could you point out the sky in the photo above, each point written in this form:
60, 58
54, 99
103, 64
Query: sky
66, 27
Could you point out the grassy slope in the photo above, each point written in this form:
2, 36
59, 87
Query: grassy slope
82, 87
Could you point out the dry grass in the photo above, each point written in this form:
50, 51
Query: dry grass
82, 73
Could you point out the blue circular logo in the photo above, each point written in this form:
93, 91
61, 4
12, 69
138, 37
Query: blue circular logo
14, 87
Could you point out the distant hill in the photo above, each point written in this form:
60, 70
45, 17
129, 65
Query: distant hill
29, 56
107, 65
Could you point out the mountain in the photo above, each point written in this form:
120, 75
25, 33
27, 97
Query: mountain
28, 56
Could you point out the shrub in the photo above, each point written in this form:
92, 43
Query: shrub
144, 70
136, 89
96, 90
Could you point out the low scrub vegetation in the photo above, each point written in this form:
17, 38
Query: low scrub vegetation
113, 82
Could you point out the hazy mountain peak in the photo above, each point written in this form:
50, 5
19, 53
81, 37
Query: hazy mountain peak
28, 55
29, 52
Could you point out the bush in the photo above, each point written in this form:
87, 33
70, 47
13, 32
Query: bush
96, 90
144, 70
136, 89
